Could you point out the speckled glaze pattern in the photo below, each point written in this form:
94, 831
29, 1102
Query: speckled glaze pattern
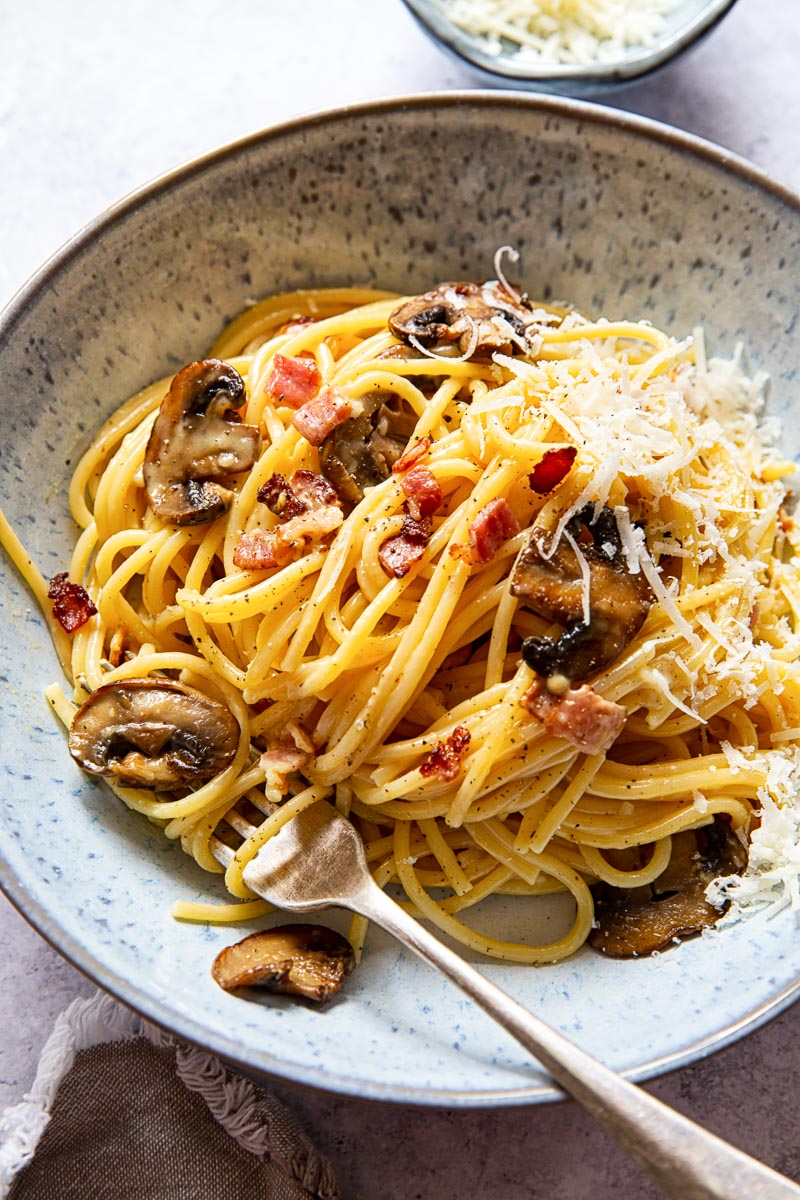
618, 215
685, 27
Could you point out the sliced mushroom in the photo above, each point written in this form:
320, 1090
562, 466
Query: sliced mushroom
198, 438
154, 734
631, 922
483, 318
302, 960
361, 452
552, 585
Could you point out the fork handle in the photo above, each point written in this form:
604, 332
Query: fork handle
686, 1162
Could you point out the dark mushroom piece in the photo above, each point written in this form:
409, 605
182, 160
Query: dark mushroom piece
198, 438
361, 452
301, 960
553, 588
483, 318
154, 734
631, 922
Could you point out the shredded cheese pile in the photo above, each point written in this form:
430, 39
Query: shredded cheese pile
566, 31
773, 868
636, 426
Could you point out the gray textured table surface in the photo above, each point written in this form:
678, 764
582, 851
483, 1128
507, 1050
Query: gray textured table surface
95, 101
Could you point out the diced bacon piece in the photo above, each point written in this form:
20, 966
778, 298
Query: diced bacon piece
412, 456
258, 550
306, 490
552, 469
72, 604
400, 553
587, 721
423, 491
320, 416
539, 701
260, 706
314, 490
263, 548
294, 751
493, 526
309, 526
444, 759
279, 763
279, 496
293, 381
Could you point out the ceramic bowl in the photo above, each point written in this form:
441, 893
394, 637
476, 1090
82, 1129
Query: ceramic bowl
620, 216
501, 61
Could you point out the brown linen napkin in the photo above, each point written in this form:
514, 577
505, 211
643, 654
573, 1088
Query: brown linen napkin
119, 1111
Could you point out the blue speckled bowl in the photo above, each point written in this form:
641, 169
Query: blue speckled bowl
621, 216
684, 28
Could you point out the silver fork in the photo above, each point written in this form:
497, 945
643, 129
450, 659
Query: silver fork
317, 860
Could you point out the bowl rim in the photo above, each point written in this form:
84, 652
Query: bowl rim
629, 68
156, 1010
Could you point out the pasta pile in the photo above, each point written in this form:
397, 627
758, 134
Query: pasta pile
369, 676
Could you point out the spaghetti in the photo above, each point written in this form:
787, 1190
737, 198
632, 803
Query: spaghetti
369, 639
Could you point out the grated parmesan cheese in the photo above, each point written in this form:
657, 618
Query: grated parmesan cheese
773, 868
586, 578
562, 31
676, 444
699, 801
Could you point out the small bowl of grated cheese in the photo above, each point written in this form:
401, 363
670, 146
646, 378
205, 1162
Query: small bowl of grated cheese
569, 47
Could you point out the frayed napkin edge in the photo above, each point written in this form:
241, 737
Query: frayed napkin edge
232, 1101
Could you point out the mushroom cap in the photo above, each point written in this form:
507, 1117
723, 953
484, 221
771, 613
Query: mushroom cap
634, 922
550, 582
154, 734
197, 439
301, 960
361, 452
482, 317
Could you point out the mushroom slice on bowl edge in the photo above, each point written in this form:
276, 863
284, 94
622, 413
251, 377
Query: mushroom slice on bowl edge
299, 960
154, 734
198, 438
631, 922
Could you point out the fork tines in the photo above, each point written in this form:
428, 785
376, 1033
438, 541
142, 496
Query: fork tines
237, 825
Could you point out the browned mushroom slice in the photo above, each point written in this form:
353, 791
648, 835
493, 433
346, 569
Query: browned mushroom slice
483, 318
154, 734
303, 960
361, 452
553, 587
631, 922
198, 438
